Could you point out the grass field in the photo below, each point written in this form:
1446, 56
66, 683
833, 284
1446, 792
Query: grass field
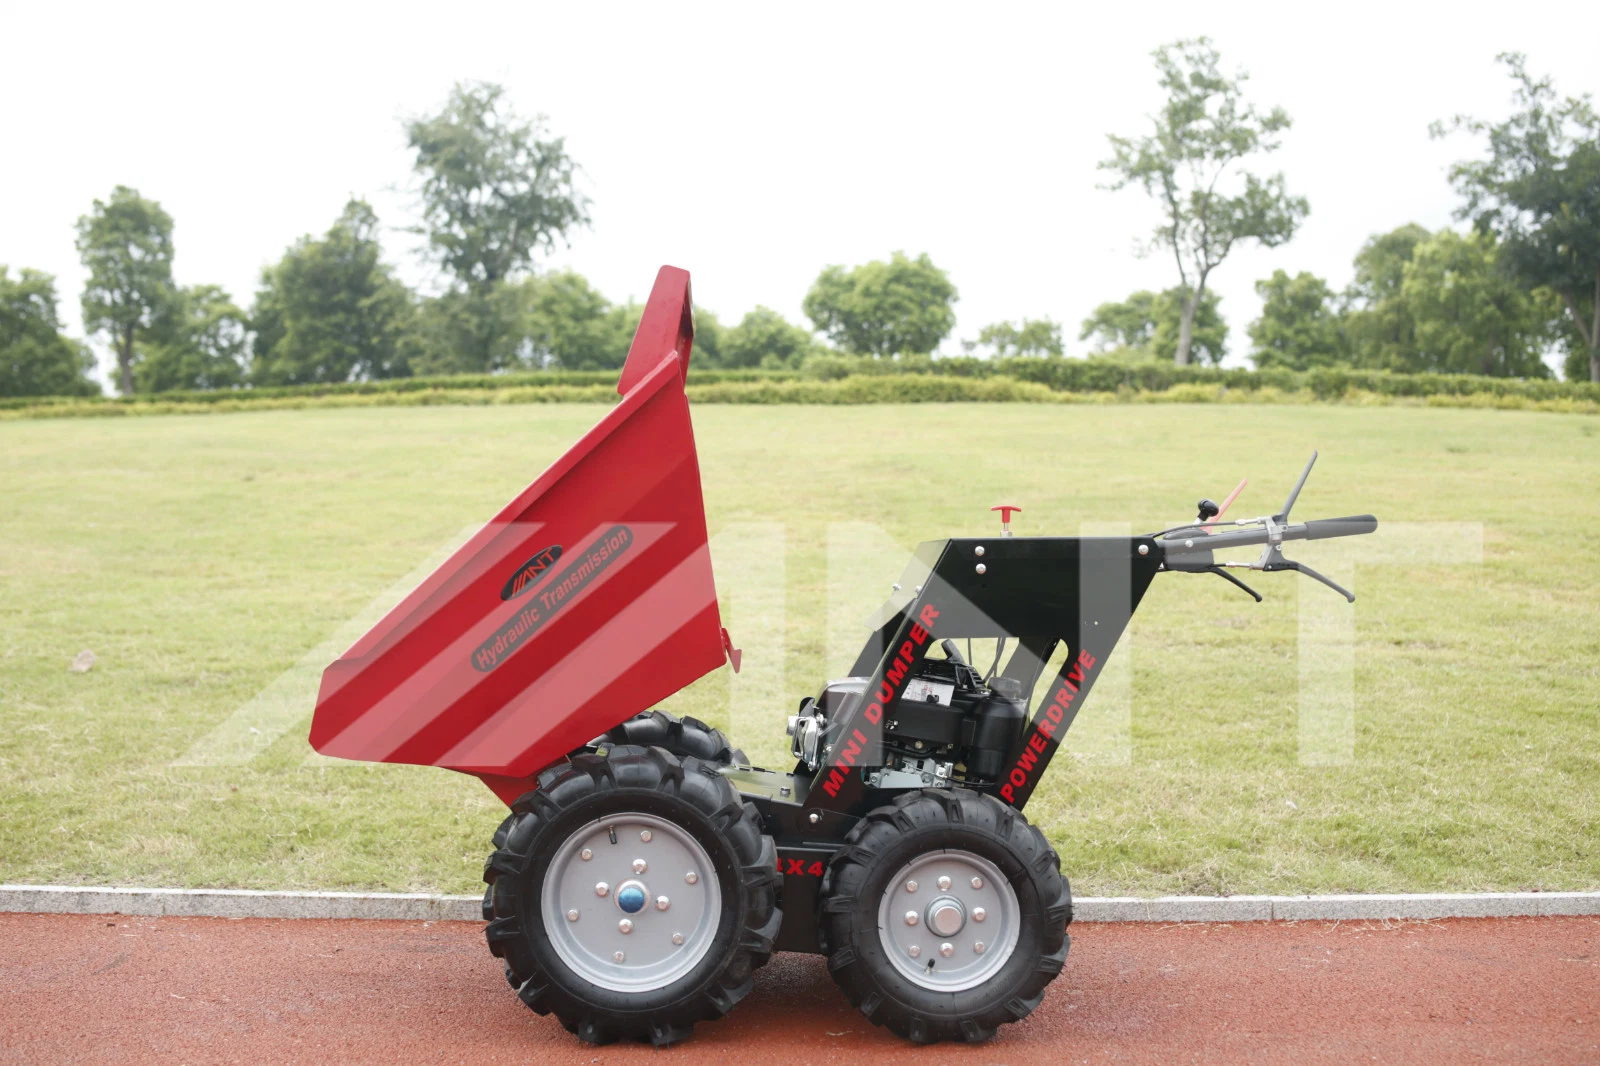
203, 558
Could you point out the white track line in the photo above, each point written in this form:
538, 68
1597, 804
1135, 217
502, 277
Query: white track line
239, 903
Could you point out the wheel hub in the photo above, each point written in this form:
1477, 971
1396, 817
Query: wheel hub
961, 937
625, 938
632, 896
946, 916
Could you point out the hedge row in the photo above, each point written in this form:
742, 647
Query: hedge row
1110, 375
853, 389
469, 382
1096, 375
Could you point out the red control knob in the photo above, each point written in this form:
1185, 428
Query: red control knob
1005, 510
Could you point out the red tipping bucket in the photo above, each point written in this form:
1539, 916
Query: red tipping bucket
587, 599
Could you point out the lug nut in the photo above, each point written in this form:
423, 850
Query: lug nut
639, 866
619, 956
947, 950
601, 889
814, 818
911, 917
944, 884
586, 854
644, 835
981, 568
979, 914
914, 951
625, 926
978, 947
572, 916
977, 882
911, 886
691, 877
677, 938
662, 903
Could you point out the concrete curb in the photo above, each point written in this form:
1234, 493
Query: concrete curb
412, 907
1335, 908
238, 903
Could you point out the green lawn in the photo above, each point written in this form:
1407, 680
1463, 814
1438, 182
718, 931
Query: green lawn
202, 558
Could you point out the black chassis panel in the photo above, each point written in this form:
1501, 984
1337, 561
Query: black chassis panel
804, 847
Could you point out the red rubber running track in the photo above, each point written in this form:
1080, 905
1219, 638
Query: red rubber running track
97, 989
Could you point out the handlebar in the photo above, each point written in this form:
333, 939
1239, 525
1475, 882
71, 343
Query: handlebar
1183, 541
1350, 526
1192, 548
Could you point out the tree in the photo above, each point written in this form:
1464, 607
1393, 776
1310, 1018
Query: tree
763, 337
465, 332
1300, 326
1152, 323
35, 359
1539, 192
547, 321
1031, 336
884, 309
1441, 303
567, 323
708, 334
199, 342
494, 193
1378, 325
330, 310
126, 246
1470, 316
1192, 163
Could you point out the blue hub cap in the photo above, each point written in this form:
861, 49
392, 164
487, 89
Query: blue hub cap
632, 897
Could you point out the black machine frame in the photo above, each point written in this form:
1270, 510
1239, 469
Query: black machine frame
1042, 592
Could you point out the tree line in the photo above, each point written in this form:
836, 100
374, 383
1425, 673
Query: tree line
497, 193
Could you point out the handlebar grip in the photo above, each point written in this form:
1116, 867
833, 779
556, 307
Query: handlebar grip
1349, 526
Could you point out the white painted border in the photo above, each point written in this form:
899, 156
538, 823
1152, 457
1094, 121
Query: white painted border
240, 903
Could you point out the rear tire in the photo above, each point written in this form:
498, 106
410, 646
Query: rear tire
684, 737
964, 951
726, 915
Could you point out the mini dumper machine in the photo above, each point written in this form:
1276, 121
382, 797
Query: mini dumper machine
646, 868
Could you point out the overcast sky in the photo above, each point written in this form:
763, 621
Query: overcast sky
750, 143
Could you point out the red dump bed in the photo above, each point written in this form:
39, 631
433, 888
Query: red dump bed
586, 600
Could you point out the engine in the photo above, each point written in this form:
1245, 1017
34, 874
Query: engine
950, 726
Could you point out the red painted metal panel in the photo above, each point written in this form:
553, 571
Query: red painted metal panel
667, 325
585, 600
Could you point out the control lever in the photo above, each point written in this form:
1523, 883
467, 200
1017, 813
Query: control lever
1272, 557
1220, 572
1185, 551
1290, 564
1206, 524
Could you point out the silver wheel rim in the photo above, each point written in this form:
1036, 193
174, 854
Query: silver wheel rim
949, 921
605, 938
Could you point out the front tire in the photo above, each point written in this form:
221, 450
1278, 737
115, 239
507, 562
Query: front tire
945, 915
688, 907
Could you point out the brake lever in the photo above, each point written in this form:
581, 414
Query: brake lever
1290, 564
1224, 574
